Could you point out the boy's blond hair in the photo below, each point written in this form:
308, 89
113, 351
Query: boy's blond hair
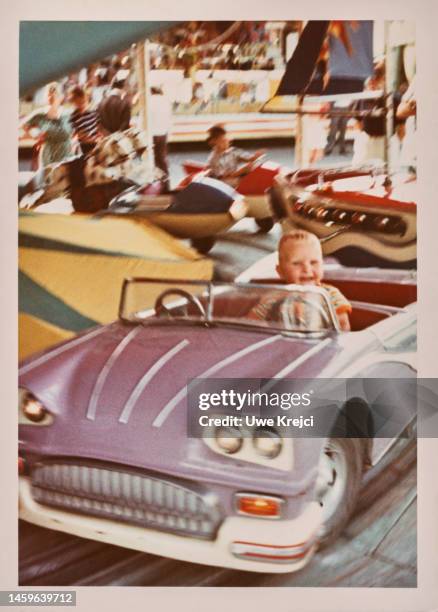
298, 236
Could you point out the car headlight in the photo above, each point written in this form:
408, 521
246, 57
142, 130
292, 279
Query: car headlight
31, 410
229, 439
263, 445
267, 442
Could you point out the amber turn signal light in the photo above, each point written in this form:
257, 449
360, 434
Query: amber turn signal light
259, 506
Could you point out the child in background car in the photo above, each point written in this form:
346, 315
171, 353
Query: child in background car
225, 161
300, 263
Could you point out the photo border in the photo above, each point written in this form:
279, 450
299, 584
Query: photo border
425, 596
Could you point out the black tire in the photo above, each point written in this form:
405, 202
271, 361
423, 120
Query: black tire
203, 245
265, 224
345, 457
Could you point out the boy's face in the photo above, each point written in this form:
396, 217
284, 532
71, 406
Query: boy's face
300, 263
220, 143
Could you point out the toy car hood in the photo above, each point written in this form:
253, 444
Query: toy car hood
118, 393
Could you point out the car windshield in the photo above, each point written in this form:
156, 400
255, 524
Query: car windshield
288, 308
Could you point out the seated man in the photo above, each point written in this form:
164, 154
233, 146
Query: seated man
225, 161
300, 263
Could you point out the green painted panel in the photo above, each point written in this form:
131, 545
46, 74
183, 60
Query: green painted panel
34, 300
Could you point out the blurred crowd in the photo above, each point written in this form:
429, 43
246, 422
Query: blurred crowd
236, 74
250, 56
250, 46
187, 75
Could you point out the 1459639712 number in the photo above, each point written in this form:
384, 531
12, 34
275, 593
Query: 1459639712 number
58, 598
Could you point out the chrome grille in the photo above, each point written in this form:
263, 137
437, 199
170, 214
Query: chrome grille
130, 497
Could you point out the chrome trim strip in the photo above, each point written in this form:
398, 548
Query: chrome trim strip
274, 554
61, 349
169, 407
146, 378
103, 375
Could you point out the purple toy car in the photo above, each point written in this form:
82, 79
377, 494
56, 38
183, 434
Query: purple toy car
104, 452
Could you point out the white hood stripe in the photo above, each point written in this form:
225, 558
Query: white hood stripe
169, 407
297, 362
48, 356
95, 394
141, 385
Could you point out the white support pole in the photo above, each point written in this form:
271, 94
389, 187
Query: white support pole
389, 107
143, 90
147, 97
299, 152
141, 85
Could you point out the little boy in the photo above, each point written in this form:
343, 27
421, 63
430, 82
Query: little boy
225, 161
300, 263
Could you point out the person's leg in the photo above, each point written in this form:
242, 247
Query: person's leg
342, 128
315, 155
160, 157
331, 138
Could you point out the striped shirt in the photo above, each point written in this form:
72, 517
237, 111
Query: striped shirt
225, 163
338, 300
271, 308
85, 125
